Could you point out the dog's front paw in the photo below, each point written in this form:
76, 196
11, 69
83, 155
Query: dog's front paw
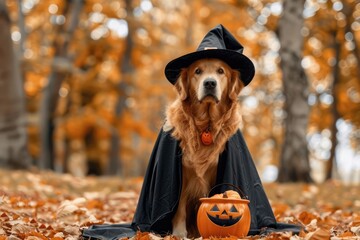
180, 231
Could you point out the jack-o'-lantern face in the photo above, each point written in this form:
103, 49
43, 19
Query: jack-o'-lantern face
224, 214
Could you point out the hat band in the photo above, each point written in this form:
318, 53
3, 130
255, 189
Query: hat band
207, 48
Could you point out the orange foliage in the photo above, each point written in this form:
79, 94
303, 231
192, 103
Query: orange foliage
97, 53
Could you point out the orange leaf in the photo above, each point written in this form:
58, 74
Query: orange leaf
280, 208
306, 217
356, 221
92, 204
170, 237
142, 235
320, 234
346, 234
36, 234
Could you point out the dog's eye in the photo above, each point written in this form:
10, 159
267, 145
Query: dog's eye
198, 71
220, 71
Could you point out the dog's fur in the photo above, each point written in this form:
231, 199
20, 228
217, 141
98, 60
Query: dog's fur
196, 109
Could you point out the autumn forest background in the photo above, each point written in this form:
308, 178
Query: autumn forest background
83, 94
85, 91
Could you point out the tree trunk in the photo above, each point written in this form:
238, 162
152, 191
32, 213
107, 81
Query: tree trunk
127, 68
61, 67
294, 162
13, 133
348, 11
331, 164
21, 24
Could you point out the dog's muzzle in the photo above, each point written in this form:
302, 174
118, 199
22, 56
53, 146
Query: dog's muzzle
210, 84
209, 88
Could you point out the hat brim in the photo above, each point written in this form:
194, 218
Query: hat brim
235, 60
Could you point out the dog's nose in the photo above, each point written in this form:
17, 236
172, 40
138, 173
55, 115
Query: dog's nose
210, 83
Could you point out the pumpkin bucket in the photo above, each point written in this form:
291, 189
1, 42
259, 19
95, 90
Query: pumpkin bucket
223, 215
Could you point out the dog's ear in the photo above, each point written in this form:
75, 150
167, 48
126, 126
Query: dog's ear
236, 85
181, 85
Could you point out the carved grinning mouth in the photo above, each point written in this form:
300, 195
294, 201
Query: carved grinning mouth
224, 222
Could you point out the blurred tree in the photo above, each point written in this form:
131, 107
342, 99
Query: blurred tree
294, 162
332, 59
21, 24
61, 67
340, 32
331, 164
13, 135
127, 70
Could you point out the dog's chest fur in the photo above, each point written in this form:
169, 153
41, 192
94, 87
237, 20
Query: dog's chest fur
187, 128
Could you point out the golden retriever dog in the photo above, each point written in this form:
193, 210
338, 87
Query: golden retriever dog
207, 102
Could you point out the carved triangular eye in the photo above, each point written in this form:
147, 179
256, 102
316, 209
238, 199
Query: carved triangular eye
215, 209
233, 209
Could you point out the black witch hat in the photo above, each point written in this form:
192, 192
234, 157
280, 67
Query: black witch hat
217, 43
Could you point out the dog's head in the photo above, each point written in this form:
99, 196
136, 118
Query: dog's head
209, 80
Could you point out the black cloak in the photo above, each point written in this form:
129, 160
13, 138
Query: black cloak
160, 192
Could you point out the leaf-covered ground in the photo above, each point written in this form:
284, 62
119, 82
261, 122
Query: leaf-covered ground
45, 205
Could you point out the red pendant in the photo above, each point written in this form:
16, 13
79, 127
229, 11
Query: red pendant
206, 138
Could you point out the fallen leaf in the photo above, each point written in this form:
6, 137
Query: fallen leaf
346, 234
319, 234
59, 235
20, 228
66, 210
72, 230
306, 217
13, 237
356, 230
279, 208
35, 236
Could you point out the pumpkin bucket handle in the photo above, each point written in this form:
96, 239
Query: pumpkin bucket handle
243, 196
